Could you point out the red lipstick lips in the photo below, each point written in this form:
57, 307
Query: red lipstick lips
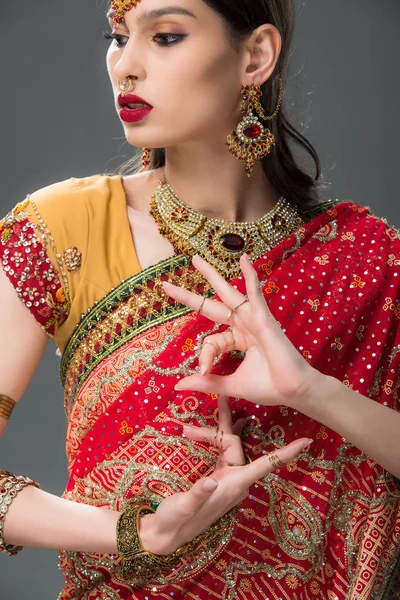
133, 108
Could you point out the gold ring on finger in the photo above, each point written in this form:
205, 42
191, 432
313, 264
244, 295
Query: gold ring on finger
215, 438
240, 304
218, 349
231, 344
275, 461
221, 441
201, 305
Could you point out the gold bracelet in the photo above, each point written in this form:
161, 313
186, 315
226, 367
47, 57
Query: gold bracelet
137, 562
10, 486
7, 405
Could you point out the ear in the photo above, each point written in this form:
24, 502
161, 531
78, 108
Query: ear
262, 50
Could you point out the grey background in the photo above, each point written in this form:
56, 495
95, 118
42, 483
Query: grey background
58, 120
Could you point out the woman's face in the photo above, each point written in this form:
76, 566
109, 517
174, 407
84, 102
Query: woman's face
183, 66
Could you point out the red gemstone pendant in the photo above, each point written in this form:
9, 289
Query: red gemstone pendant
252, 131
232, 241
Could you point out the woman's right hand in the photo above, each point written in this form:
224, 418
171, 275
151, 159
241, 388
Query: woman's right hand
181, 517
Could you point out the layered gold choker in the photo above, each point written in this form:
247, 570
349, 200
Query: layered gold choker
221, 243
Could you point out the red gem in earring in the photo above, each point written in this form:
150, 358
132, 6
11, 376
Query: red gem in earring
146, 158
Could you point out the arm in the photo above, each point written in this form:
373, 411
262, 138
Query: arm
368, 425
36, 518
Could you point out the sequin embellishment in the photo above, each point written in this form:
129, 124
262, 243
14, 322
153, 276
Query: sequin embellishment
30, 270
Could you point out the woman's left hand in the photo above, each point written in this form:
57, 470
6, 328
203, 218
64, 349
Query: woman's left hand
273, 372
226, 438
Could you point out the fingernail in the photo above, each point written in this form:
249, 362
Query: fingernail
307, 445
202, 369
177, 387
210, 485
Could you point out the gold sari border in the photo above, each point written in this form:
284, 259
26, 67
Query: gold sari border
110, 301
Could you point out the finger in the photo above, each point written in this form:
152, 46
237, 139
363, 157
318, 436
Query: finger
212, 309
200, 434
225, 291
209, 384
274, 348
239, 425
198, 494
214, 345
263, 466
232, 448
256, 298
224, 414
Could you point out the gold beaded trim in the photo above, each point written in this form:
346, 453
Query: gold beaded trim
7, 405
47, 237
192, 233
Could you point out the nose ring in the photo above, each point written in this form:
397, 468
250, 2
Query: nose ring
125, 85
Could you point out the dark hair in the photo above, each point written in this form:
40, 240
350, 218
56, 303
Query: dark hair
281, 167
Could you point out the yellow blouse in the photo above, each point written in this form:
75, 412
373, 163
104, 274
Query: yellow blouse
89, 215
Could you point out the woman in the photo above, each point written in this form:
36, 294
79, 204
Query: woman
239, 446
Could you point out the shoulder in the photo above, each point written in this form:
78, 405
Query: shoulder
359, 227
43, 245
61, 199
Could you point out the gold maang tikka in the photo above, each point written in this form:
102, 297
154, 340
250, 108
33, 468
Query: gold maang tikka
252, 141
120, 7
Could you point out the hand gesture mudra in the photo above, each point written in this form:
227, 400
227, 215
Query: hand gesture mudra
273, 372
181, 517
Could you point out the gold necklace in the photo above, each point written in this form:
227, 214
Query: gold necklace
221, 243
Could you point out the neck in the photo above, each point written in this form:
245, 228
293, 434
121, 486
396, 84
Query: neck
215, 184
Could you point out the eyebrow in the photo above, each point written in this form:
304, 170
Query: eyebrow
151, 15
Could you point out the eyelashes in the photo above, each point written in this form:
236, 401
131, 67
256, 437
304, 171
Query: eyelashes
122, 40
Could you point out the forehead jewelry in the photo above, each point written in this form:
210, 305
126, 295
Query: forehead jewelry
125, 85
120, 7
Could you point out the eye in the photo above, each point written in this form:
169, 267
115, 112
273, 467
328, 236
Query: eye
168, 39
161, 39
121, 40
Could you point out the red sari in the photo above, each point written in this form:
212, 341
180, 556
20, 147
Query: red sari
323, 527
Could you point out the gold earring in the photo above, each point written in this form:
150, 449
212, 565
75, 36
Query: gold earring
146, 158
125, 85
252, 141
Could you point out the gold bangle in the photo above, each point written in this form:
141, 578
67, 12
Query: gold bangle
10, 486
136, 561
7, 405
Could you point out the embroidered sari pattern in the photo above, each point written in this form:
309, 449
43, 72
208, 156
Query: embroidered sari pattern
325, 526
136, 305
26, 263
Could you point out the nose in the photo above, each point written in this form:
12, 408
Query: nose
129, 63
